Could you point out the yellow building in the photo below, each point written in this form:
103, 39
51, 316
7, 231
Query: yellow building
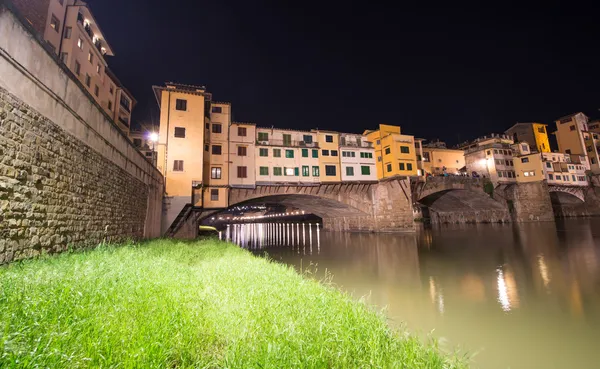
395, 152
437, 159
329, 160
535, 134
574, 138
180, 149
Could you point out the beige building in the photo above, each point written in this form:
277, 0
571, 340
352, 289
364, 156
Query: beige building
329, 156
535, 134
216, 156
74, 35
180, 150
439, 160
555, 168
242, 152
357, 158
575, 138
491, 157
286, 156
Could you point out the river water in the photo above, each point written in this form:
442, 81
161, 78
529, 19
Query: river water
510, 296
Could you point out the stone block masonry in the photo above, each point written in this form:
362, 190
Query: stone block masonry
68, 175
56, 192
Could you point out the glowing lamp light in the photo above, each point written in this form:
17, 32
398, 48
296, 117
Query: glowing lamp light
153, 136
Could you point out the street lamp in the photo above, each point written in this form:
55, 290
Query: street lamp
153, 137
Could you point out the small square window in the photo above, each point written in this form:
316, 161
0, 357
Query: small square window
330, 170
572, 128
401, 166
68, 31
334, 153
408, 166
315, 153
349, 171
263, 152
263, 171
80, 43
242, 172
216, 149
263, 136
305, 171
324, 152
181, 104
96, 90
214, 194
305, 153
315, 171
64, 57
404, 149
365, 170
277, 171
178, 165
88, 80
217, 109
289, 154
215, 173
387, 151
77, 68
242, 131
388, 167
54, 23
98, 69
276, 153
329, 138
110, 105
180, 132
91, 57
241, 151
217, 128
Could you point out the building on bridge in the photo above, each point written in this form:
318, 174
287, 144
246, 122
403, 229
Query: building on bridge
556, 168
74, 36
286, 156
491, 157
242, 155
396, 154
439, 160
575, 138
535, 134
357, 158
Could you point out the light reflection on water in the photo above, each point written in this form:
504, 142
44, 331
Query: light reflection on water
518, 296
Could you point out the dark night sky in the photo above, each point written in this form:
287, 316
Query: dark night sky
437, 72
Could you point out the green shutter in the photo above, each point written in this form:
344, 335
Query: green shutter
315, 153
264, 171
365, 170
305, 153
264, 152
277, 153
263, 136
296, 172
349, 171
289, 154
277, 171
315, 171
305, 171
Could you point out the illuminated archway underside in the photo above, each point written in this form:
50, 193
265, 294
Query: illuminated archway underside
319, 206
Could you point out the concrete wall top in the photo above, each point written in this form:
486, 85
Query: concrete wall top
31, 72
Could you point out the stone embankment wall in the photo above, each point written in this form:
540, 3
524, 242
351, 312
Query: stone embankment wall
528, 202
68, 176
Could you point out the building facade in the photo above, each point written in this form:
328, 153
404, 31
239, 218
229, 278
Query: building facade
216, 156
75, 37
575, 138
286, 156
357, 158
535, 134
491, 157
395, 153
329, 156
439, 160
242, 155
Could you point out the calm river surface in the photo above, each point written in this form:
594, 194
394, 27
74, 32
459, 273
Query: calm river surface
513, 296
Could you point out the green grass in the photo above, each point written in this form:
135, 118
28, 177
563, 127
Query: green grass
206, 304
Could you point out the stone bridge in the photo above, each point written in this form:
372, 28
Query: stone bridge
574, 201
456, 199
383, 206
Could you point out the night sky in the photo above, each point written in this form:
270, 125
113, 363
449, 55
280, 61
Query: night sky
440, 72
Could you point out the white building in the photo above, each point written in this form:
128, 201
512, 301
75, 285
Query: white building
564, 169
286, 156
491, 157
357, 158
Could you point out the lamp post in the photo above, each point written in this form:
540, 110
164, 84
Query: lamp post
153, 137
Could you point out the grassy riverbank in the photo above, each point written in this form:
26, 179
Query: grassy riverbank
168, 304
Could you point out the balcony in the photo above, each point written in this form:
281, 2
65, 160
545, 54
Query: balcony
286, 143
365, 144
124, 121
